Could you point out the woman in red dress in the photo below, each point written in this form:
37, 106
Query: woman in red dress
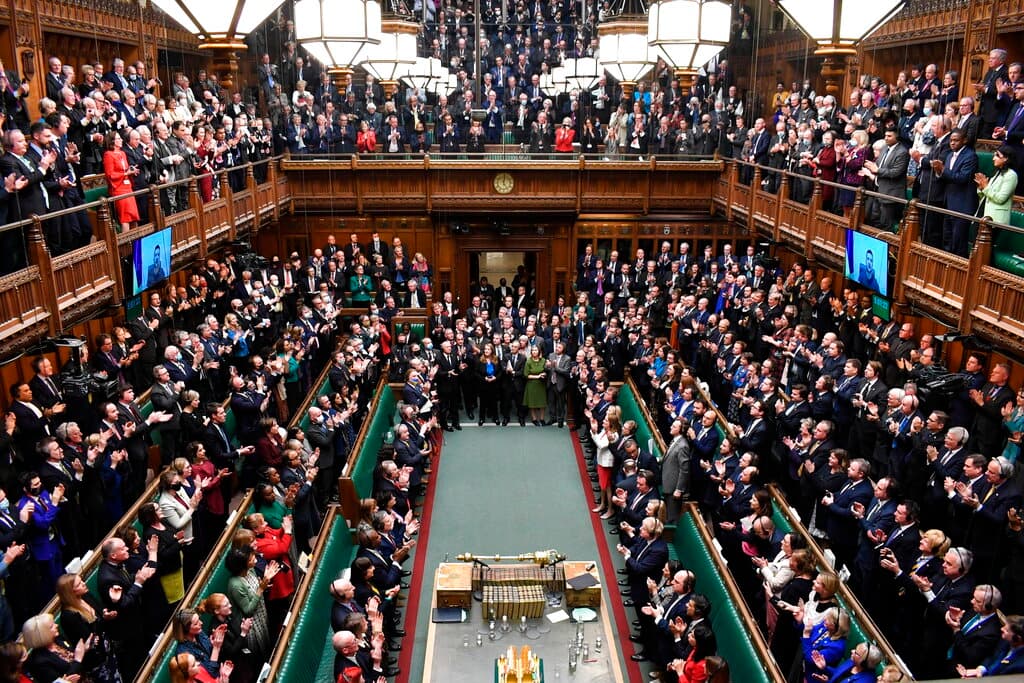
564, 137
206, 149
119, 180
826, 168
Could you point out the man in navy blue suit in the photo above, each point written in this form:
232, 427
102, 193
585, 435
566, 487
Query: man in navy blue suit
841, 525
957, 173
645, 559
1008, 657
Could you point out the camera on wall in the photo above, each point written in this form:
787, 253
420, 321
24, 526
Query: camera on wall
666, 230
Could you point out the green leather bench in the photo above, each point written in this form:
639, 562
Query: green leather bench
309, 655
632, 409
734, 640
380, 424
1008, 246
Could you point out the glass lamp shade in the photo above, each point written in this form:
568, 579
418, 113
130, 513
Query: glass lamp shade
396, 53
625, 53
688, 33
425, 74
558, 80
839, 23
446, 85
582, 73
225, 23
338, 33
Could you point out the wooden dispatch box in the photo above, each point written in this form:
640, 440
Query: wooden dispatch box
455, 585
588, 597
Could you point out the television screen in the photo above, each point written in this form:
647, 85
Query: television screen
867, 261
881, 307
151, 260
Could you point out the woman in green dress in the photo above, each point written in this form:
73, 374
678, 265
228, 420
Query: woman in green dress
245, 591
535, 397
1013, 423
360, 284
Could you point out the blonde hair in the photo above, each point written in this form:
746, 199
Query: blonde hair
829, 582
71, 602
860, 136
37, 631
179, 465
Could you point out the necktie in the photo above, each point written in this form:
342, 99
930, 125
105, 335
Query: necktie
991, 490
874, 509
52, 387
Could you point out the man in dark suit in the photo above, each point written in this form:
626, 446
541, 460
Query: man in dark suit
248, 405
986, 432
954, 587
32, 422
121, 597
645, 559
321, 435
931, 191
987, 530
1009, 656
875, 520
377, 246
969, 122
447, 379
392, 137
957, 172
891, 175
988, 93
975, 631
841, 525
164, 396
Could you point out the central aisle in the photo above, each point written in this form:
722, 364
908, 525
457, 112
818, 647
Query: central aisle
504, 490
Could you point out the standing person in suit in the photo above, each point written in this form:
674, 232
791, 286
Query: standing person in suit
976, 631
320, 434
987, 430
957, 173
644, 560
953, 587
513, 384
164, 396
969, 122
841, 525
987, 528
42, 535
930, 190
558, 368
1008, 657
32, 422
891, 175
675, 470
448, 383
987, 92
121, 596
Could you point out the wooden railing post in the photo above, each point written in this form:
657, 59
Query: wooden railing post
910, 234
812, 213
754, 184
272, 171
980, 257
226, 193
857, 210
40, 255
250, 182
732, 169
156, 209
780, 196
195, 200
113, 254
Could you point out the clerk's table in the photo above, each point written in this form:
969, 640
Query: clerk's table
509, 590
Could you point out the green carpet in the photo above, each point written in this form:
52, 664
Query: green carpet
503, 490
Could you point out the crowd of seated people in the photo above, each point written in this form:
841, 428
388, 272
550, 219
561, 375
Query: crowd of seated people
246, 340
914, 493
918, 132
